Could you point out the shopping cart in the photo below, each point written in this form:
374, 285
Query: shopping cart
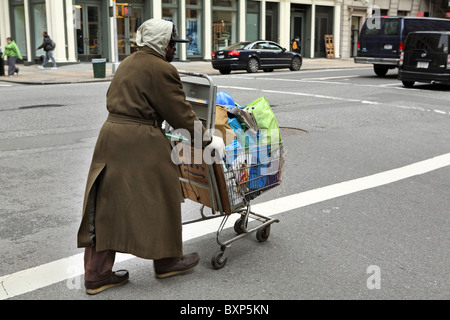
228, 187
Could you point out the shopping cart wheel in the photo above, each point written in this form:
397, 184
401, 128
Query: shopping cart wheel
263, 233
238, 226
217, 261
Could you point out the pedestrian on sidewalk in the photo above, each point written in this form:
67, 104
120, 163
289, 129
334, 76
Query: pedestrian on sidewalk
48, 45
296, 44
132, 201
13, 54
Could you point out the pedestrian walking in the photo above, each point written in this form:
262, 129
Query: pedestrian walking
296, 44
48, 45
132, 201
13, 54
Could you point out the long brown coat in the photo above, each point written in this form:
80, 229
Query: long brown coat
138, 203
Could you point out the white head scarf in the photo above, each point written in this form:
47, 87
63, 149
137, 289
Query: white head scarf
155, 34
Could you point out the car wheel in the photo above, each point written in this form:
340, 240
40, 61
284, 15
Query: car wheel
408, 84
380, 70
253, 65
225, 71
296, 64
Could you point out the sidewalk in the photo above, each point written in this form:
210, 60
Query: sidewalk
83, 72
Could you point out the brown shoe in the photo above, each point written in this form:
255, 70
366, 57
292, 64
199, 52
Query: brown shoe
168, 267
117, 278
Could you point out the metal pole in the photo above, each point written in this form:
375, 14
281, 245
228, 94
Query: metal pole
116, 62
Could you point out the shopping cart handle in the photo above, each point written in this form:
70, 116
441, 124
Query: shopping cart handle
176, 138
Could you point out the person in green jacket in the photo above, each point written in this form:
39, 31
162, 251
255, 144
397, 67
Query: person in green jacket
12, 52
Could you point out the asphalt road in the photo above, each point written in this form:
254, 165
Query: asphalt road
383, 234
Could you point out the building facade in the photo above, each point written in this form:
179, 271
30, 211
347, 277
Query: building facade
84, 29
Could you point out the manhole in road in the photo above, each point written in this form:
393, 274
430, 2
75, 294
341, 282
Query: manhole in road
287, 131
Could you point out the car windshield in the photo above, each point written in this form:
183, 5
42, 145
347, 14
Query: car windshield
237, 46
428, 42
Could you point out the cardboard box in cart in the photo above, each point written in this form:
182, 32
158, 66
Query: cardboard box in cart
198, 173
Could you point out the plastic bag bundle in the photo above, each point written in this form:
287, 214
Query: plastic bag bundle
254, 157
266, 120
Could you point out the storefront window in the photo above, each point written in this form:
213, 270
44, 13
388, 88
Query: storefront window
40, 25
194, 27
272, 21
19, 26
252, 21
127, 28
224, 23
170, 11
224, 3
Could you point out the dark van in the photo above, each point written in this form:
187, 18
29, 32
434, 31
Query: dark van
382, 39
425, 58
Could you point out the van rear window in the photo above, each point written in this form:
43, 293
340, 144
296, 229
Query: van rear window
390, 27
429, 42
371, 31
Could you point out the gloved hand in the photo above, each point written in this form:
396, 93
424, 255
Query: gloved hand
218, 146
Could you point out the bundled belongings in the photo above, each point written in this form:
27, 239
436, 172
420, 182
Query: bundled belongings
265, 118
221, 125
253, 153
255, 157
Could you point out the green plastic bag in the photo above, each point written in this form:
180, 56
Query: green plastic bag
265, 118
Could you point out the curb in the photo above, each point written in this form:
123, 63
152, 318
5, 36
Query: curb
28, 82
185, 67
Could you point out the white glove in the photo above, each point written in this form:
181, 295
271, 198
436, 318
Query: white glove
218, 146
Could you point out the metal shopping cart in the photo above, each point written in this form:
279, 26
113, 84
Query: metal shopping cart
230, 186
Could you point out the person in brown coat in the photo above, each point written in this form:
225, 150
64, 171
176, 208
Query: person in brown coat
133, 197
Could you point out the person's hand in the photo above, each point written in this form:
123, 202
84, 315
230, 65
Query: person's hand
218, 146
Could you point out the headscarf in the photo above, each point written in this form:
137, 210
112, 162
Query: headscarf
155, 34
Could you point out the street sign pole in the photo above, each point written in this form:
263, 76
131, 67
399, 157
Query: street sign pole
116, 62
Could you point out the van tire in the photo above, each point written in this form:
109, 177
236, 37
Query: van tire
408, 84
380, 70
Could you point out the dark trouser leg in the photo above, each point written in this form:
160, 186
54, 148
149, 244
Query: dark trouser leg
98, 265
11, 65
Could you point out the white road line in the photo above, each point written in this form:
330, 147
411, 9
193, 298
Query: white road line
321, 96
336, 77
390, 84
344, 188
303, 71
322, 81
294, 93
69, 268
